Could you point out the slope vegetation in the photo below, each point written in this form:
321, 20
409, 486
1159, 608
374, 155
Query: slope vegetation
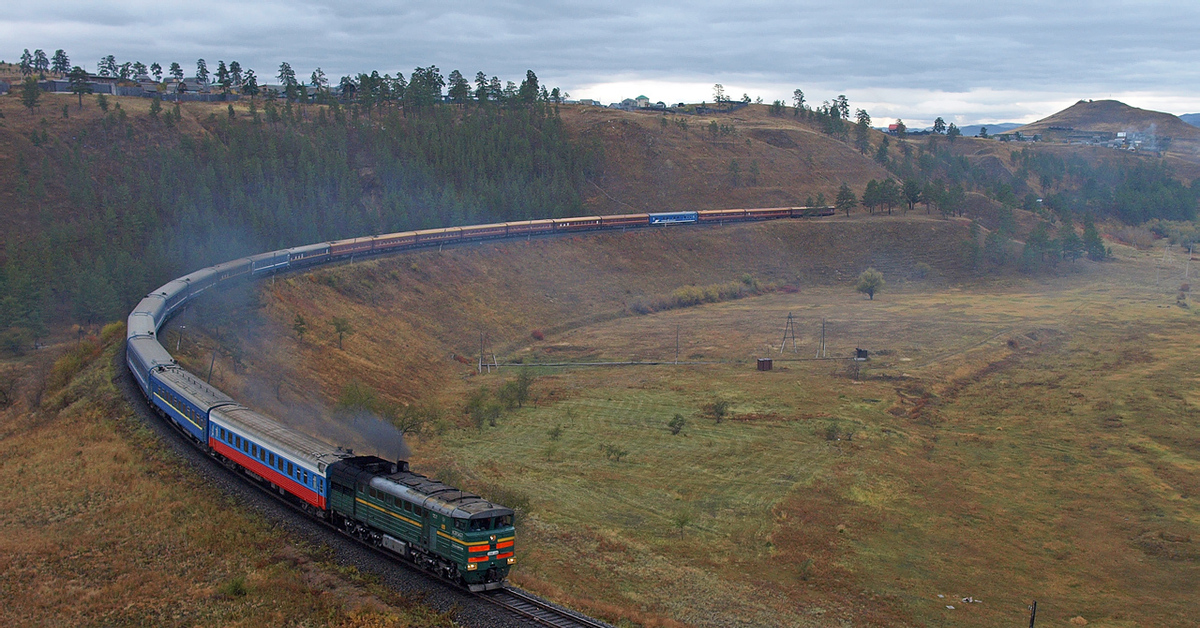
1009, 437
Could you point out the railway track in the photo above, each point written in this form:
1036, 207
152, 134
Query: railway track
540, 611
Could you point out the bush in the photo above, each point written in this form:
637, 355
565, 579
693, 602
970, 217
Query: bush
1183, 233
676, 424
613, 452
1138, 237
235, 587
922, 270
717, 409
357, 396
538, 335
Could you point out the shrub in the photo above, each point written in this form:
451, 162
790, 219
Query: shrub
1138, 237
922, 270
538, 335
613, 452
235, 587
676, 424
356, 395
717, 409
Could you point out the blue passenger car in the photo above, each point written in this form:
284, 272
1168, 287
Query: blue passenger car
671, 218
186, 399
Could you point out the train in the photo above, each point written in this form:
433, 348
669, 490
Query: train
452, 533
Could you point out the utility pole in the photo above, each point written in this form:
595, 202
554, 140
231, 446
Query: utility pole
1032, 613
821, 347
179, 338
676, 343
789, 330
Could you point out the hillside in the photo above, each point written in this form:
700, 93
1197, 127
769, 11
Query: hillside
1008, 435
653, 163
106, 200
1111, 116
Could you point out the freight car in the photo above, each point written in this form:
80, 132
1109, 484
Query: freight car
456, 534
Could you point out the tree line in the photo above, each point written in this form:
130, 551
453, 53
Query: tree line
149, 202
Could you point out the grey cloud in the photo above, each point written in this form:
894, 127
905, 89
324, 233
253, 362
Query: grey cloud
1086, 48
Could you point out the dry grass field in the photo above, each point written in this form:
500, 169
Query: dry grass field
1011, 439
102, 528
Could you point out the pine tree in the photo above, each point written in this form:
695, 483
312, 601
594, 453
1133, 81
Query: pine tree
846, 200
26, 64
1093, 245
202, 71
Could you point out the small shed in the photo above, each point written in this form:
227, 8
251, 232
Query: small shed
765, 364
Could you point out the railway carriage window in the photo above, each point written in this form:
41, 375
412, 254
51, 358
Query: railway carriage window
306, 477
254, 450
262, 454
289, 467
271, 458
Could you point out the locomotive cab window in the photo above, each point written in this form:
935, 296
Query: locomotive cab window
504, 521
481, 524
460, 524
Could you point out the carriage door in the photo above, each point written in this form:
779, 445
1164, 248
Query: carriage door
433, 530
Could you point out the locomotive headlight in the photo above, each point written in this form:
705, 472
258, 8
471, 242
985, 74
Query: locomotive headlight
512, 560
472, 566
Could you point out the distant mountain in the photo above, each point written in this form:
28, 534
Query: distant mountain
1099, 122
971, 130
1191, 118
1111, 116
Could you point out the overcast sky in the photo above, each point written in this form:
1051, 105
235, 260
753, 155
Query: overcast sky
969, 62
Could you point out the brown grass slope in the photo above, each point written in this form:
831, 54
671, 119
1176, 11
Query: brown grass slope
1113, 116
104, 527
414, 312
652, 164
1010, 438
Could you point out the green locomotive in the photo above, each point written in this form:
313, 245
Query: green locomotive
458, 535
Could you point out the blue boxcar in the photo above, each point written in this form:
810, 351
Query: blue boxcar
671, 218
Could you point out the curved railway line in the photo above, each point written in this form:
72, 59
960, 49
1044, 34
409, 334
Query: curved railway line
455, 536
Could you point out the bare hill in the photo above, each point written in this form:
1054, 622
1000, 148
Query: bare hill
1085, 119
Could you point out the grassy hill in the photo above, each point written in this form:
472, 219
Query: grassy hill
1011, 439
1111, 116
859, 508
653, 163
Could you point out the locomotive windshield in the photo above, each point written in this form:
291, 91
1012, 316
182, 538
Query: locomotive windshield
490, 523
